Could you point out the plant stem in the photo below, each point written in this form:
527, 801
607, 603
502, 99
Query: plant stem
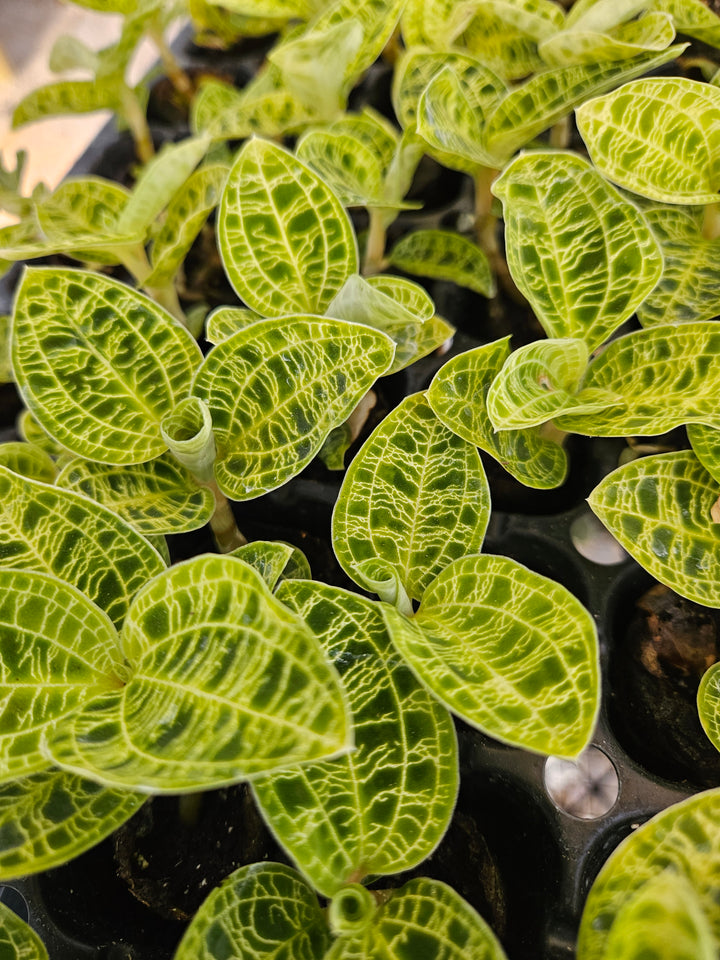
711, 222
485, 220
560, 134
135, 261
136, 120
176, 75
375, 246
222, 523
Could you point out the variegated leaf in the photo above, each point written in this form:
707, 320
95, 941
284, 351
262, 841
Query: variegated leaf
663, 920
275, 561
672, 123
444, 255
156, 497
583, 256
654, 31
432, 23
24, 241
662, 377
184, 219
511, 652
221, 112
225, 684
279, 9
98, 363
307, 246
458, 395
658, 508
223, 322
350, 167
374, 305
415, 498
261, 912
18, 941
57, 531
540, 102
705, 442
599, 15
540, 381
28, 460
68, 96
6, 373
682, 843
275, 391
58, 651
693, 18
53, 816
32, 433
406, 293
333, 818
708, 702
423, 918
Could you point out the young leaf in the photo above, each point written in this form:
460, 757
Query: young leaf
56, 531
156, 497
225, 683
53, 816
662, 377
511, 652
349, 166
307, 247
222, 112
260, 912
540, 381
415, 498
332, 817
406, 293
672, 123
99, 364
29, 461
684, 840
274, 561
275, 391
425, 918
583, 256
444, 255
653, 31
68, 96
223, 322
549, 96
58, 651
458, 395
658, 508
693, 18
18, 941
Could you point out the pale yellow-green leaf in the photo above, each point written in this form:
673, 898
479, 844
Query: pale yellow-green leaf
6, 373
444, 255
31, 431
458, 395
275, 561
156, 497
223, 322
68, 96
285, 239
28, 460
654, 31
659, 137
221, 112
51, 817
659, 509
693, 18
415, 498
405, 293
583, 256
18, 941
708, 702
705, 442
98, 363
225, 684
351, 168
277, 388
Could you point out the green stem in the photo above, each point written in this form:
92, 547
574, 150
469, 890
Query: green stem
711, 222
136, 120
560, 134
177, 76
167, 297
485, 221
222, 523
375, 247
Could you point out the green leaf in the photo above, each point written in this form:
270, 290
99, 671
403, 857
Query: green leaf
432, 23
444, 255
654, 31
99, 364
511, 652
156, 497
275, 391
307, 248
6, 373
424, 918
28, 460
31, 431
261, 912
223, 322
373, 304
53, 816
58, 651
56, 531
415, 497
351, 168
583, 256
406, 293
682, 843
540, 381
160, 181
693, 18
275, 561
225, 684
280, 9
708, 702
671, 123
221, 112
458, 395
68, 96
540, 102
18, 941
662, 377
184, 219
658, 508
705, 442
334, 819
